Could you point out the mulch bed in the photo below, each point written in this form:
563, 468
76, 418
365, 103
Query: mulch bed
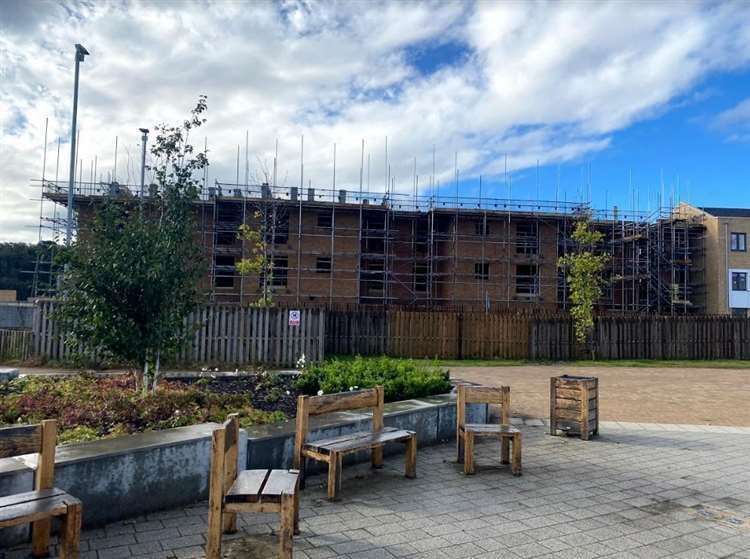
268, 392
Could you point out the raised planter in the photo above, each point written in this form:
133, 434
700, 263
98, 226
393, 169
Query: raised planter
574, 406
132, 475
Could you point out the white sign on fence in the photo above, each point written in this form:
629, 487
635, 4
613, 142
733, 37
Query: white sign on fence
294, 318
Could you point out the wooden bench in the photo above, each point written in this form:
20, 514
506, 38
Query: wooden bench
248, 491
333, 450
46, 502
467, 432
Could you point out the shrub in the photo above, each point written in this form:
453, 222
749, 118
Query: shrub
401, 378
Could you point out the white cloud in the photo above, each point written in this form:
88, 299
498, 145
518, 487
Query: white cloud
544, 81
734, 123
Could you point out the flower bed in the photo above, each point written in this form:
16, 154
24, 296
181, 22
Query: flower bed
89, 407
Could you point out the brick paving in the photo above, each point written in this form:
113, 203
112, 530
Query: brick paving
638, 491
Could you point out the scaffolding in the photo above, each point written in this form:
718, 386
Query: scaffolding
345, 246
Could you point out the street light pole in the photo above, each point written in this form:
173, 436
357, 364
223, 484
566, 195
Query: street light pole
81, 52
144, 139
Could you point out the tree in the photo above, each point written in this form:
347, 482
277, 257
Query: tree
584, 269
132, 279
258, 262
270, 225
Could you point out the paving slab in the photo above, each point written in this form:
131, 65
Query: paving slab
637, 490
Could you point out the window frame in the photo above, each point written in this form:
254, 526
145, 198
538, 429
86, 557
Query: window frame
323, 270
532, 279
738, 246
482, 270
739, 279
326, 217
280, 279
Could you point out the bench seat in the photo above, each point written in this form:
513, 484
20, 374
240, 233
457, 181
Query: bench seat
262, 486
490, 429
364, 440
31, 506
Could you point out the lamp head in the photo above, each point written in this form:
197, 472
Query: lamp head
81, 52
143, 130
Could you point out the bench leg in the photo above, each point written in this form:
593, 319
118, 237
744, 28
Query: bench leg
70, 532
296, 512
377, 457
468, 453
411, 457
302, 468
505, 450
286, 533
334, 475
40, 531
459, 447
516, 466
213, 537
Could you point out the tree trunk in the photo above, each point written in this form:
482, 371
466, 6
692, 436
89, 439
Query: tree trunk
144, 383
156, 371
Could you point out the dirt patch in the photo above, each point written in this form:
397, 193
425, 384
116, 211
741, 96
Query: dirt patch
637, 394
268, 392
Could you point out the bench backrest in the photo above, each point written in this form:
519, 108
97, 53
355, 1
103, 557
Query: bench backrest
28, 439
225, 447
499, 395
342, 401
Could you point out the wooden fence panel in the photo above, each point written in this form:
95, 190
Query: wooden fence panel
16, 344
221, 334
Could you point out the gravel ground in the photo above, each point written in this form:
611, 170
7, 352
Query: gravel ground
634, 394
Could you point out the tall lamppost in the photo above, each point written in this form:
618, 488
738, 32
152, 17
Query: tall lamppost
81, 52
144, 139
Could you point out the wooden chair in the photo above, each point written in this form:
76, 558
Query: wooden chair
248, 491
38, 507
333, 450
466, 432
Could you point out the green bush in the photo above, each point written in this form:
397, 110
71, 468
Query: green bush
402, 378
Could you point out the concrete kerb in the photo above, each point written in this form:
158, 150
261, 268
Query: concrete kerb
129, 476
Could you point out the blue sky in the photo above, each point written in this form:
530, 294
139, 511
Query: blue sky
623, 93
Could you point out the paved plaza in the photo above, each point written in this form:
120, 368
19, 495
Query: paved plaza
636, 491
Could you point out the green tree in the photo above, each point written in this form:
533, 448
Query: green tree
260, 238
583, 271
258, 261
131, 280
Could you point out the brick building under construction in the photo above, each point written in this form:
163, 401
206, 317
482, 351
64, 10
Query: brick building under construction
350, 247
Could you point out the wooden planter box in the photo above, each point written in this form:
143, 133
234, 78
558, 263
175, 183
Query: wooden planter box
574, 406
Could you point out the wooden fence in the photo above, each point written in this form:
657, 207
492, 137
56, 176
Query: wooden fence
646, 337
428, 334
477, 335
232, 335
15, 344
228, 335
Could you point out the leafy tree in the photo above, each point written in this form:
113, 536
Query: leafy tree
584, 269
260, 237
258, 261
131, 280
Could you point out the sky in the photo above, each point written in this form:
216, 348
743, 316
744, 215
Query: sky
609, 102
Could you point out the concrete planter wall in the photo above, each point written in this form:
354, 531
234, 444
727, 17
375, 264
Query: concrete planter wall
128, 476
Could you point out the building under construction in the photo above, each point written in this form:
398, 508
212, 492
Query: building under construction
331, 247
